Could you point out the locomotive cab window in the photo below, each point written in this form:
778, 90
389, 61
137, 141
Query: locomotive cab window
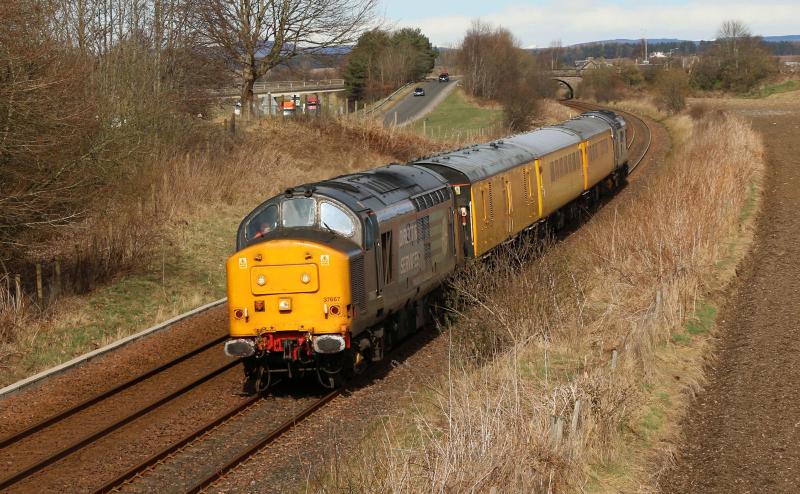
298, 212
304, 212
263, 223
332, 217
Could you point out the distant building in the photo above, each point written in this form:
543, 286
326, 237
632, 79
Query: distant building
789, 64
591, 64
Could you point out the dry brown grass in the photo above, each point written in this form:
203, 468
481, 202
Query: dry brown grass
276, 154
642, 104
627, 283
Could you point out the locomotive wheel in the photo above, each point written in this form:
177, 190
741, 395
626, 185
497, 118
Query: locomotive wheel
330, 380
263, 379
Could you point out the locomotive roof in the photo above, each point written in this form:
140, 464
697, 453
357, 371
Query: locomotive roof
484, 160
587, 127
378, 188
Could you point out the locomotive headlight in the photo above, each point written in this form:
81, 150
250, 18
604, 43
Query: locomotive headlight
305, 278
261, 280
285, 304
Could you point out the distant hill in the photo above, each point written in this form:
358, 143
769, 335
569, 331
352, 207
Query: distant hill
778, 39
624, 41
792, 38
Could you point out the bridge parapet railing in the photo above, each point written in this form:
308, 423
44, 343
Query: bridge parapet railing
278, 86
291, 85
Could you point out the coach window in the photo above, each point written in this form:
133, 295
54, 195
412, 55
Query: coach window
332, 217
298, 212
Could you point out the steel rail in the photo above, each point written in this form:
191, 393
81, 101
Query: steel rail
79, 444
272, 436
137, 470
104, 395
647, 143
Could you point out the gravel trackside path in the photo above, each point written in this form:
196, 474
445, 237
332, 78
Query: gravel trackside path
742, 435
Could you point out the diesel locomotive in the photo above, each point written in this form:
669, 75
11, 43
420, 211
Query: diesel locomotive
327, 275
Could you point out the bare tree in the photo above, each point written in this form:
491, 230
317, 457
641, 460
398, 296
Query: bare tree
258, 35
736, 61
731, 34
555, 54
495, 67
484, 58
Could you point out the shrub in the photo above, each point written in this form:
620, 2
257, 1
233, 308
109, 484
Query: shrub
602, 83
672, 86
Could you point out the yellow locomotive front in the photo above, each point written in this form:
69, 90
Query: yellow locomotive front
289, 290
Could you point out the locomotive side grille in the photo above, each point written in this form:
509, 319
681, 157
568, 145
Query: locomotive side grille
430, 199
424, 234
525, 178
357, 288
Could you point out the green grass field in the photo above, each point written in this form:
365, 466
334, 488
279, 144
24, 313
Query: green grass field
783, 87
189, 273
456, 115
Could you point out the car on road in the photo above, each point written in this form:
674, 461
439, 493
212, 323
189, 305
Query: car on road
419, 91
444, 77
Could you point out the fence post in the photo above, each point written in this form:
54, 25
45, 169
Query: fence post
153, 198
614, 355
17, 290
556, 429
39, 290
576, 411
425, 127
57, 288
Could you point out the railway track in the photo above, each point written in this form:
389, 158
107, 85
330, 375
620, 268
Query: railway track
639, 144
64, 434
640, 136
212, 473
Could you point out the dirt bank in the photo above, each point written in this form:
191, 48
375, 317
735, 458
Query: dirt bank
743, 432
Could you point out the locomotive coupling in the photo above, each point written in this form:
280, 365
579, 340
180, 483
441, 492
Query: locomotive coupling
240, 348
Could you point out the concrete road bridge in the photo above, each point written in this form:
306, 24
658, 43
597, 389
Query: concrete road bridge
269, 93
282, 88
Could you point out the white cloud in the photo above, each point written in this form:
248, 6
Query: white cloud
577, 21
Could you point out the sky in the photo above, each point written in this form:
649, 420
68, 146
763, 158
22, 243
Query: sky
538, 23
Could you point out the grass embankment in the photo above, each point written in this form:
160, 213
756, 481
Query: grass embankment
770, 89
458, 115
570, 371
460, 118
194, 210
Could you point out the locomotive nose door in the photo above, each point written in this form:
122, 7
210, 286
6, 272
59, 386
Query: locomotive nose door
283, 279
